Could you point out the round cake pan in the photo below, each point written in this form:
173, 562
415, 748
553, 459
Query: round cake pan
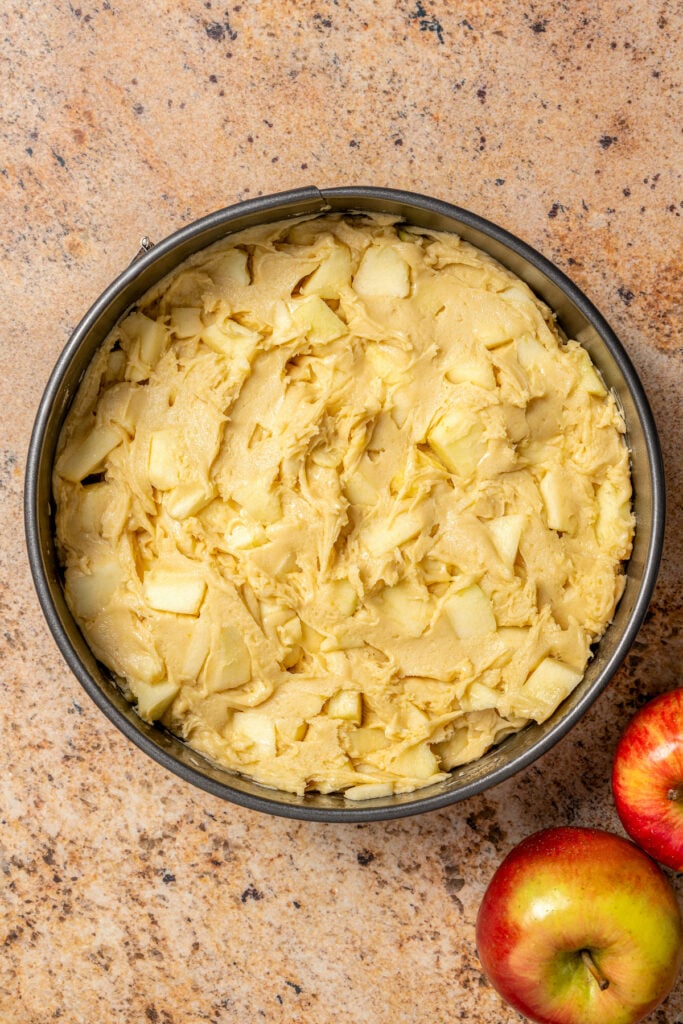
577, 317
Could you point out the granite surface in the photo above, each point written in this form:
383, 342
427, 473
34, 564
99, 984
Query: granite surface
126, 894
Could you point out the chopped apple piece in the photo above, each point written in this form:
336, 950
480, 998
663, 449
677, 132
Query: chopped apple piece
317, 320
558, 500
164, 459
457, 441
346, 704
382, 272
506, 532
472, 370
379, 538
196, 649
470, 613
229, 665
451, 752
186, 321
333, 274
153, 699
418, 762
275, 558
479, 697
389, 363
434, 571
80, 460
545, 689
342, 596
339, 642
117, 405
273, 615
151, 336
90, 506
262, 503
231, 268
124, 643
531, 355
247, 535
369, 791
285, 327
589, 379
90, 593
229, 338
519, 294
359, 490
409, 606
614, 522
408, 721
258, 730
170, 590
311, 638
366, 740
290, 632
116, 365
188, 499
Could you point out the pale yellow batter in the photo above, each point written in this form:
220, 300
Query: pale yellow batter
338, 505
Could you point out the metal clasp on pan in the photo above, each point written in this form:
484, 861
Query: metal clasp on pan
145, 245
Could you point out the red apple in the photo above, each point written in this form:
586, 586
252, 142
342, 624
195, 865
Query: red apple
647, 778
579, 926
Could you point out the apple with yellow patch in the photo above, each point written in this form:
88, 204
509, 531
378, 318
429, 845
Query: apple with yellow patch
579, 926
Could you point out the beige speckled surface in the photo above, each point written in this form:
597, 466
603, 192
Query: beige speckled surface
126, 895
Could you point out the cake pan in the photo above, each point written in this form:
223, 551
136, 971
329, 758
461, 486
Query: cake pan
576, 316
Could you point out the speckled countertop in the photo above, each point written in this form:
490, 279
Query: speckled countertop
125, 894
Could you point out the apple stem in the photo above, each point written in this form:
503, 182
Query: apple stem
600, 979
675, 793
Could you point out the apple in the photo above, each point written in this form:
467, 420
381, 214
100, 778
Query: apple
647, 778
579, 926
